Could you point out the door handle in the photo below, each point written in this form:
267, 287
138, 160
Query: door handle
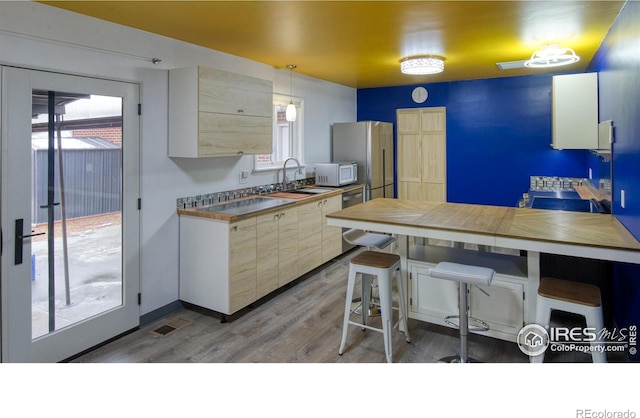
19, 240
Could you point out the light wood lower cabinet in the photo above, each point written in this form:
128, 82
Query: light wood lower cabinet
267, 253
310, 236
242, 263
227, 266
287, 246
218, 263
331, 235
318, 242
277, 249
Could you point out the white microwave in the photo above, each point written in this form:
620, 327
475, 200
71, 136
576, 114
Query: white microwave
336, 174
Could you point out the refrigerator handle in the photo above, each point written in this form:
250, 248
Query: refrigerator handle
384, 173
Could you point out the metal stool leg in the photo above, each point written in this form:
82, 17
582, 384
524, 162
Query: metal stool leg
464, 323
347, 309
463, 327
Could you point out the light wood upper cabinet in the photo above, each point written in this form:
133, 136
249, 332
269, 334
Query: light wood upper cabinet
216, 113
575, 111
422, 148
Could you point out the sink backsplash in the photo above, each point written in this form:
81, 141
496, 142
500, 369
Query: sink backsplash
228, 195
565, 184
554, 184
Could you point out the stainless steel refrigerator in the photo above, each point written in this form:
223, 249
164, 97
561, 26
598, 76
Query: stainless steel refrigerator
370, 144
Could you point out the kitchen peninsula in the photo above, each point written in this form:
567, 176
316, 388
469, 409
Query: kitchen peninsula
588, 235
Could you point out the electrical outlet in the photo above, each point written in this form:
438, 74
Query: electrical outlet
244, 176
622, 202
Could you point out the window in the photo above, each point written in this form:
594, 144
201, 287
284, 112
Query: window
287, 136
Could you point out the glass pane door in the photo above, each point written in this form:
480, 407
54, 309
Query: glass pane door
76, 250
70, 270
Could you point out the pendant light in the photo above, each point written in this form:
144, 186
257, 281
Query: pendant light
291, 108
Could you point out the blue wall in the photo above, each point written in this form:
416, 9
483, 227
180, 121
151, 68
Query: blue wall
498, 134
499, 131
618, 64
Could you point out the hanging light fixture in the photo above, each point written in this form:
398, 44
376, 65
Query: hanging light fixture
552, 56
291, 108
424, 64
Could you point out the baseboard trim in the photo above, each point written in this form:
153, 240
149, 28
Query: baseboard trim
161, 312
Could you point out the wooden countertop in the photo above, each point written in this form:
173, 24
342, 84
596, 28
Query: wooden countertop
548, 226
296, 199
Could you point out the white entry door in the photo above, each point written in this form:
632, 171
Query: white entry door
69, 209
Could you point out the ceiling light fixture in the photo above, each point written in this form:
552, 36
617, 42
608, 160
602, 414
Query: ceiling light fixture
424, 64
291, 108
552, 56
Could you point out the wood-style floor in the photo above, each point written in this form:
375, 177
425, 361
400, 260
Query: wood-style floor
301, 323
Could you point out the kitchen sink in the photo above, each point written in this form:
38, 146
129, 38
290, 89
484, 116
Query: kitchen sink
575, 205
245, 206
310, 190
300, 193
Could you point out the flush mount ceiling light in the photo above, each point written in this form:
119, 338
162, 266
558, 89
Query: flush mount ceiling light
425, 64
291, 108
552, 56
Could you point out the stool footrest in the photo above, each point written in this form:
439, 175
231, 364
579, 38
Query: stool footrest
361, 325
480, 324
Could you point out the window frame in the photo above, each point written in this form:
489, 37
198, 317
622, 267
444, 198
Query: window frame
296, 141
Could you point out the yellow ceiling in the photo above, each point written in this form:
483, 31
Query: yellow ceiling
360, 43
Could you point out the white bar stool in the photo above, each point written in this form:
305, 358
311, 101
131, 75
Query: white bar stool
465, 275
385, 267
574, 297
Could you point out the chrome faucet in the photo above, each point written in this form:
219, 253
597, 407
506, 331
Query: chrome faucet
284, 172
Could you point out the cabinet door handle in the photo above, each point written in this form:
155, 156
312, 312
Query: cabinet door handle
234, 228
240, 110
240, 152
19, 237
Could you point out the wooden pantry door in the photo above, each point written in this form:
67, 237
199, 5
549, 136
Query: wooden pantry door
422, 169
